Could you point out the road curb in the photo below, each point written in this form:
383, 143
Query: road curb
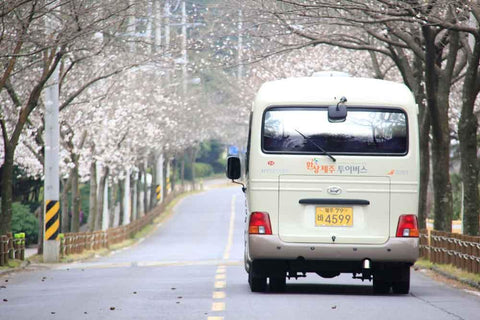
23, 265
450, 276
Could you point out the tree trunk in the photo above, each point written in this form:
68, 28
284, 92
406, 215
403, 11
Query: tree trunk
467, 133
132, 196
6, 193
438, 89
424, 141
424, 124
145, 190
101, 199
40, 215
113, 204
193, 158
171, 177
182, 172
93, 196
121, 196
75, 200
66, 184
139, 188
443, 202
153, 187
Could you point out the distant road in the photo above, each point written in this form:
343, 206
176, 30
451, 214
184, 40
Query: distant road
191, 267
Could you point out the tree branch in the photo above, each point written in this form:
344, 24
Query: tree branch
74, 95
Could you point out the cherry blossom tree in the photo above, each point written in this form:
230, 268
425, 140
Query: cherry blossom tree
38, 35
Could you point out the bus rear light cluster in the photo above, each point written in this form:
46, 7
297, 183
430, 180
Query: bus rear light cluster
259, 223
407, 226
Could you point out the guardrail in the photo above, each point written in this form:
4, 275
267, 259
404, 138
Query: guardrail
12, 246
458, 250
77, 243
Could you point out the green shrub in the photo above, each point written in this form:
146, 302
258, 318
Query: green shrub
203, 170
24, 221
220, 166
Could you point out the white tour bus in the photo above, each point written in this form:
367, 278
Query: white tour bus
331, 173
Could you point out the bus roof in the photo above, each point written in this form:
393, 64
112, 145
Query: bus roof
328, 91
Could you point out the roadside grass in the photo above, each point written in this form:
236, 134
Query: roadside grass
12, 263
451, 272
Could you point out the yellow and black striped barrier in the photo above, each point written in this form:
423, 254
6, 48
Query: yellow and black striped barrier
52, 219
158, 190
169, 185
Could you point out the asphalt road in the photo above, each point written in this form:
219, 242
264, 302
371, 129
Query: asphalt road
191, 268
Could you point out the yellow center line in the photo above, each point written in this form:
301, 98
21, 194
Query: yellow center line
220, 284
220, 277
218, 306
218, 295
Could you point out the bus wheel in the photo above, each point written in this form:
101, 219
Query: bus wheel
381, 283
257, 284
402, 285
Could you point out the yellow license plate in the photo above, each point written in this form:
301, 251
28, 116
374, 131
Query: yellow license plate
333, 217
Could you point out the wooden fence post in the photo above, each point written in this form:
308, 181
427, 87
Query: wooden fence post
4, 250
11, 249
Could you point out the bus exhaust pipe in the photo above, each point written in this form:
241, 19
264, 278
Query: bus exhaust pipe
366, 264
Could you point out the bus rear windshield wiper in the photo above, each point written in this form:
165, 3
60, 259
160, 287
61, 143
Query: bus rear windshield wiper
316, 145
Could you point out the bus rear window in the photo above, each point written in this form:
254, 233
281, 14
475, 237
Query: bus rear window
300, 130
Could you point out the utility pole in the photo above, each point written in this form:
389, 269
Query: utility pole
51, 243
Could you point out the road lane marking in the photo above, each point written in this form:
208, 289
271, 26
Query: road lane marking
220, 284
219, 294
218, 306
226, 254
